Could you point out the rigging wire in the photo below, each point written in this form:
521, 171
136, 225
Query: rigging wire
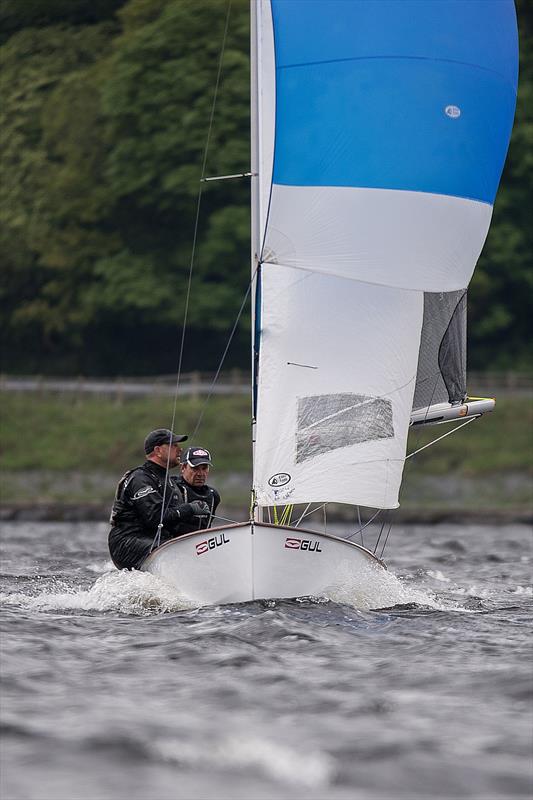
224, 354
226, 519
417, 435
198, 206
372, 518
379, 537
157, 538
305, 513
449, 433
386, 540
306, 509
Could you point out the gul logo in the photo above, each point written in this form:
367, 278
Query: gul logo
279, 479
302, 544
199, 453
210, 544
454, 112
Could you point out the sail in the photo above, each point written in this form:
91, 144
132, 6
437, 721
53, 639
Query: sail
441, 370
381, 133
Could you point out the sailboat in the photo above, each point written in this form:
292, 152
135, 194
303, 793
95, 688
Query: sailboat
379, 135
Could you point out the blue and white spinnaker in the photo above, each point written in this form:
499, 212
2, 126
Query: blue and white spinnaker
381, 133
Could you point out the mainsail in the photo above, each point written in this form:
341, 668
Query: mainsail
379, 134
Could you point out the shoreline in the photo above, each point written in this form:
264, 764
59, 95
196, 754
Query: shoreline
87, 512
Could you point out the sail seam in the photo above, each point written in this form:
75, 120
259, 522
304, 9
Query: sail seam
504, 78
379, 189
341, 275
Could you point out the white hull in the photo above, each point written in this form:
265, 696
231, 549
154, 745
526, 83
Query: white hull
251, 561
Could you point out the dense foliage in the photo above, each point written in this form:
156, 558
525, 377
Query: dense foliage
105, 113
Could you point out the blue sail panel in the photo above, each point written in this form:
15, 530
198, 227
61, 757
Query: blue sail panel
477, 32
397, 95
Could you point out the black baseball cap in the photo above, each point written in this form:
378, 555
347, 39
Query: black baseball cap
161, 436
195, 456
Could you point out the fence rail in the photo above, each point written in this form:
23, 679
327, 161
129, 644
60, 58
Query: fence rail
193, 384
500, 382
232, 382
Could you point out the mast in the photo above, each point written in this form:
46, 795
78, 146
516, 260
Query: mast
255, 215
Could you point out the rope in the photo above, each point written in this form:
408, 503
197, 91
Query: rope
157, 538
286, 516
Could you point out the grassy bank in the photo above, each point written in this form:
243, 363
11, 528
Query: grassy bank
60, 448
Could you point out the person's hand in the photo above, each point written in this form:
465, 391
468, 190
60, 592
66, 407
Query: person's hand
200, 508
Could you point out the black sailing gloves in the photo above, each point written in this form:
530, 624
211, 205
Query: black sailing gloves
198, 508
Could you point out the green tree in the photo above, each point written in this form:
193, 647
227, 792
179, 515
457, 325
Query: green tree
105, 113
501, 289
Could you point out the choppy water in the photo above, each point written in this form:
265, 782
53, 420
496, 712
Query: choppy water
114, 690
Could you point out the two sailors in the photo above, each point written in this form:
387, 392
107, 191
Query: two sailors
151, 505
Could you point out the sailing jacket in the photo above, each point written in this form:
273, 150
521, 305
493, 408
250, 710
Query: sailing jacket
136, 513
190, 493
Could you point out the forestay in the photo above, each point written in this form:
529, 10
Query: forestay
382, 129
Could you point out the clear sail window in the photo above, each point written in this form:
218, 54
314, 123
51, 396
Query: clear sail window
330, 421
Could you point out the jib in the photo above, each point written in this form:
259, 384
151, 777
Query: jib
302, 544
210, 544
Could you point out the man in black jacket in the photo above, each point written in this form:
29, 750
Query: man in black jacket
137, 518
195, 464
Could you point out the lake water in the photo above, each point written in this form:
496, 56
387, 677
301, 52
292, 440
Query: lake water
112, 691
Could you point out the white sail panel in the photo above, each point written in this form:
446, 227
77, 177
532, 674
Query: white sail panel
411, 240
333, 401
266, 77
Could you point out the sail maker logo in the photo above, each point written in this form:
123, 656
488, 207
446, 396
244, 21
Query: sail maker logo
210, 544
454, 112
279, 479
302, 544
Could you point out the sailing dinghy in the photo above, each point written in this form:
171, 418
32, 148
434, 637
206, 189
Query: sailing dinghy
379, 134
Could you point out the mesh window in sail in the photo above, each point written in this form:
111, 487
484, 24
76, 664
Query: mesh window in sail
441, 371
328, 422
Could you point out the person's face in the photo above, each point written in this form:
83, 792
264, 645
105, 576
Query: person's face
196, 476
166, 454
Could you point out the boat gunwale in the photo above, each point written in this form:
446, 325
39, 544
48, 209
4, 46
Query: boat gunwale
253, 523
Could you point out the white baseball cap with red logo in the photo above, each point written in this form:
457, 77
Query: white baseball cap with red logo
195, 456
